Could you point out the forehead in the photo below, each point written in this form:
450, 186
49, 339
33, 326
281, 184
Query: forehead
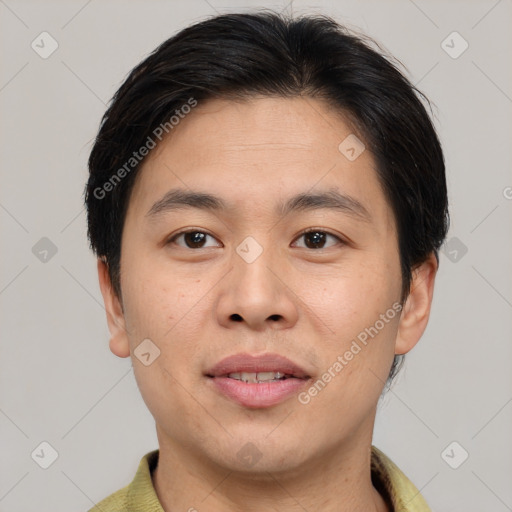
260, 152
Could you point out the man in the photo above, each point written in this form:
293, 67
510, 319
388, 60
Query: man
266, 199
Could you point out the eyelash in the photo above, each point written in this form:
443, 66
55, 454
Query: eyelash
305, 232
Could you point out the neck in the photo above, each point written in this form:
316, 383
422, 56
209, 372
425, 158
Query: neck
338, 481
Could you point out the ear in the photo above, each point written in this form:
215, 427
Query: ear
119, 342
416, 310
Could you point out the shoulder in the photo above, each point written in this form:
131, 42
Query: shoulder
116, 502
139, 494
402, 493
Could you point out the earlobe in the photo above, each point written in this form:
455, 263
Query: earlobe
119, 342
416, 310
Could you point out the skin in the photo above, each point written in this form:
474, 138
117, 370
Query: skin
303, 302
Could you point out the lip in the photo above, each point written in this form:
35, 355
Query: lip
257, 395
254, 364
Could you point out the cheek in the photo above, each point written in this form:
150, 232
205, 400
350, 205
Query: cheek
360, 307
153, 295
159, 309
356, 359
355, 296
148, 307
168, 308
164, 393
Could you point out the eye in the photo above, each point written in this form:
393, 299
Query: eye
194, 239
317, 237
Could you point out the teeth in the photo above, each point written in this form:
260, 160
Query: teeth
256, 377
249, 377
264, 376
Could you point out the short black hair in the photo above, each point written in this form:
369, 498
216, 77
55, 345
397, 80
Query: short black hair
242, 55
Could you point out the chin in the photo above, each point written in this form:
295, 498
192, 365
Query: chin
248, 455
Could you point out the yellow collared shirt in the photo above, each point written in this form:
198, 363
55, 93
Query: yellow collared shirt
140, 495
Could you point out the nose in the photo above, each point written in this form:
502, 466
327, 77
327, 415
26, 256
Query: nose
257, 291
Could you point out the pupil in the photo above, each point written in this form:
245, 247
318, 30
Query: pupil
194, 238
317, 237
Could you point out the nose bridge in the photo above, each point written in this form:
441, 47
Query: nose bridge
250, 250
254, 292
253, 261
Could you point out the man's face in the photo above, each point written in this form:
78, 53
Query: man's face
246, 281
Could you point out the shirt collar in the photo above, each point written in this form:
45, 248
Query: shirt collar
389, 480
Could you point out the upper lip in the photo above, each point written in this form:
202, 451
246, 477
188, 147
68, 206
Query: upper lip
238, 363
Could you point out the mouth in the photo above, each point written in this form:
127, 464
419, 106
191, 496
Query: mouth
259, 377
257, 381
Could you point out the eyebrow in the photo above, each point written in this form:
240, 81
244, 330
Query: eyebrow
179, 199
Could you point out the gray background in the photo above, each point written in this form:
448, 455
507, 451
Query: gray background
60, 383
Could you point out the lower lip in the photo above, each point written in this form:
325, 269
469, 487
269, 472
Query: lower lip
258, 395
